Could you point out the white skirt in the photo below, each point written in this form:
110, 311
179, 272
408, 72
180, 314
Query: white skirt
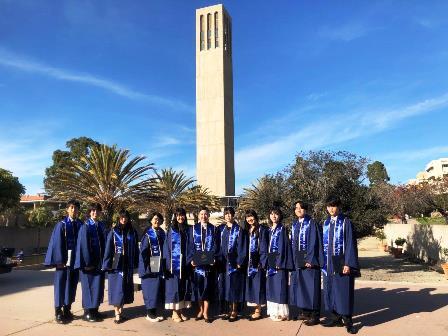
178, 305
277, 310
251, 304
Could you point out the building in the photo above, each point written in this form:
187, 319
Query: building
436, 169
215, 168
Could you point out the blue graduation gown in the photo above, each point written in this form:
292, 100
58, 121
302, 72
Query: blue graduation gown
256, 284
152, 283
177, 288
277, 284
220, 267
65, 278
203, 287
120, 279
339, 289
89, 253
304, 289
234, 283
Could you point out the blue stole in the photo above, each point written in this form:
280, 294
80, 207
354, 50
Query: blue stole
119, 248
253, 248
338, 239
153, 242
202, 243
231, 246
176, 253
303, 229
273, 245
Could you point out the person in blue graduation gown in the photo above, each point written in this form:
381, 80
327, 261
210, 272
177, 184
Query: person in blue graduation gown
340, 266
220, 274
89, 258
120, 258
202, 237
277, 273
304, 288
256, 274
152, 279
61, 253
177, 291
233, 252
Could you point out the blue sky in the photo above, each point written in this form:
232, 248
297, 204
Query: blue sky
370, 77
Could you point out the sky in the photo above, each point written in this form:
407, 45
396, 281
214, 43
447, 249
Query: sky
369, 77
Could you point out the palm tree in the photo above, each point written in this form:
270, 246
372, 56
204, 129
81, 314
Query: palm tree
109, 176
172, 188
198, 196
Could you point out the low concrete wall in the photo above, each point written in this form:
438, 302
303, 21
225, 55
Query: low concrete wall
30, 239
423, 241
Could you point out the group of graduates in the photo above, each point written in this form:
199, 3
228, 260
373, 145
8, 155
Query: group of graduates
232, 263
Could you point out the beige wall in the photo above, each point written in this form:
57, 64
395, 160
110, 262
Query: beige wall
214, 106
425, 241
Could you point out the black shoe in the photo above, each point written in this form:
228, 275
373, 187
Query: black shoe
99, 316
333, 322
347, 320
59, 316
207, 320
89, 316
68, 314
198, 318
233, 319
312, 321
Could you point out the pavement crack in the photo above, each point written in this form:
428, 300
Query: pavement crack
300, 327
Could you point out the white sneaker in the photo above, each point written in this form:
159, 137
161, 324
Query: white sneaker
152, 319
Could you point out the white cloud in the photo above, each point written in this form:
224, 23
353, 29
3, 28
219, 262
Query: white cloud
10, 60
429, 153
347, 32
270, 156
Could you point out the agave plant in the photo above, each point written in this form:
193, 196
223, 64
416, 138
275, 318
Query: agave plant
109, 176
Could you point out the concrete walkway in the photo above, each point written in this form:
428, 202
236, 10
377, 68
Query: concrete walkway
381, 308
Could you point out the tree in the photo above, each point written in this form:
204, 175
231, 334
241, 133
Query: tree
377, 173
10, 190
62, 160
172, 189
40, 217
312, 177
198, 196
106, 175
268, 191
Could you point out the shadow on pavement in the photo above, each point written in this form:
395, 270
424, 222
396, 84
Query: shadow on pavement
21, 280
391, 265
375, 306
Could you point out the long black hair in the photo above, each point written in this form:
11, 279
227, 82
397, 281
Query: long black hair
175, 223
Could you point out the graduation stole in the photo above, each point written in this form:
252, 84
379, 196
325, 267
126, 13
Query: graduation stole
202, 243
253, 248
154, 243
121, 249
338, 239
233, 239
69, 228
176, 253
303, 229
273, 245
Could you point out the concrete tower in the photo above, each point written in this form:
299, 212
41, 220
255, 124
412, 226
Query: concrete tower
215, 167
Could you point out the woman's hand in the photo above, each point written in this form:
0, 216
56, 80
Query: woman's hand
346, 270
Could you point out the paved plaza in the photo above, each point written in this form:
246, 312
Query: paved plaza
381, 308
